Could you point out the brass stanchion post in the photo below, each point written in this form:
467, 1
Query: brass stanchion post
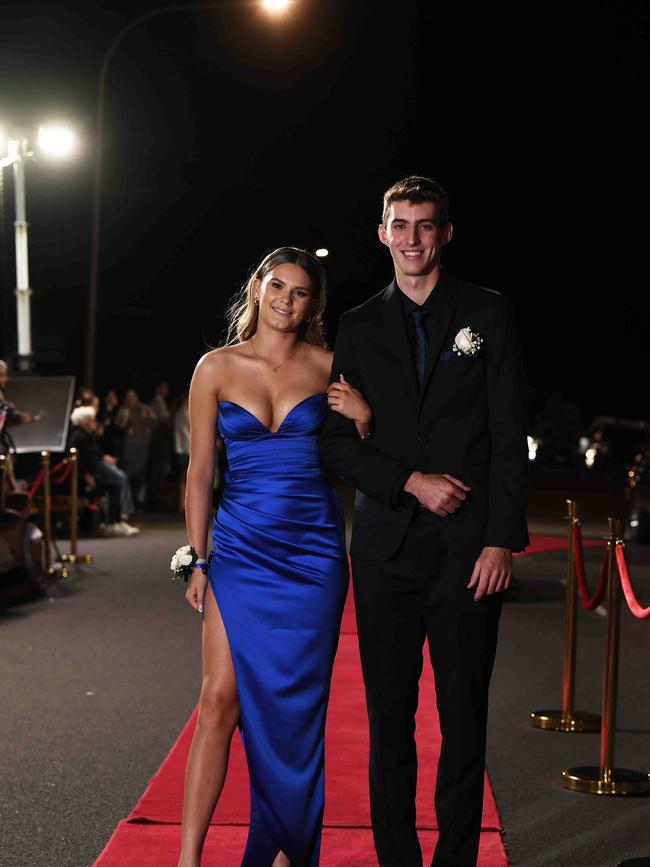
568, 719
50, 570
73, 556
607, 779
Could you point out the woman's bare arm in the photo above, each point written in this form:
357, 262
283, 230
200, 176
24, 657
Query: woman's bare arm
200, 472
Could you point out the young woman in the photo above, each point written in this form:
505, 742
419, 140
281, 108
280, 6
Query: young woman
275, 586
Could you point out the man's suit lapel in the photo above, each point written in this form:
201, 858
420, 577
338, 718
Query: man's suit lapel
397, 337
443, 311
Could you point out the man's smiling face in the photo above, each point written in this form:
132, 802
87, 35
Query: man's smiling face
414, 236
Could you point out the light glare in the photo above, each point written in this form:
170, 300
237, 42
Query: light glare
322, 252
276, 6
57, 141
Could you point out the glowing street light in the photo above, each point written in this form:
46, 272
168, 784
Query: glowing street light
16, 152
276, 7
322, 252
57, 141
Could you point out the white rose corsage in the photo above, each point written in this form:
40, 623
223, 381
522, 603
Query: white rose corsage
467, 342
183, 562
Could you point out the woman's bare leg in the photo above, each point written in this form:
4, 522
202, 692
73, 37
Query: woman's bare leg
217, 718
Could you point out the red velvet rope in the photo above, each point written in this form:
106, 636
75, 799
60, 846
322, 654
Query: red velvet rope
38, 481
588, 602
630, 598
58, 480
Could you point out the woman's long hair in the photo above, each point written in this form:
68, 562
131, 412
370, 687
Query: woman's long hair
243, 312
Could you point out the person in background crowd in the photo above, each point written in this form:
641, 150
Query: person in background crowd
111, 439
137, 420
87, 397
32, 540
107, 418
94, 475
182, 445
9, 415
159, 401
161, 446
111, 434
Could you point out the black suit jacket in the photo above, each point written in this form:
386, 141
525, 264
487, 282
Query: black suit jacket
468, 419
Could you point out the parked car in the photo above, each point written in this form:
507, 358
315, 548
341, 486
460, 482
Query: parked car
615, 445
554, 443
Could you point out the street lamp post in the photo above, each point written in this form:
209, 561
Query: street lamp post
271, 6
58, 142
18, 150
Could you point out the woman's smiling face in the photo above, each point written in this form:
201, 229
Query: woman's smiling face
285, 297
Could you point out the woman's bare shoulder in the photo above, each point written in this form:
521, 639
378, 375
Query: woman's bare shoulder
222, 357
218, 364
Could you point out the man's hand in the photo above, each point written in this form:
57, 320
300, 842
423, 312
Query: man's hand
440, 493
492, 572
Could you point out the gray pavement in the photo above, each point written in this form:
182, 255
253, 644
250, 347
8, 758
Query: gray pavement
99, 679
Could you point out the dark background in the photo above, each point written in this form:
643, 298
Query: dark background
228, 133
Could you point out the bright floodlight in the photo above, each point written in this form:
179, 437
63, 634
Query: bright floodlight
322, 252
276, 6
57, 141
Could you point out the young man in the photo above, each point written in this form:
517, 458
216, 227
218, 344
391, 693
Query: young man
441, 493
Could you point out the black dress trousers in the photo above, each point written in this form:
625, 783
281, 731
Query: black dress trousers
422, 592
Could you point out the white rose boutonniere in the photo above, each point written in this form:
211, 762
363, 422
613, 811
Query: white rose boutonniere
467, 342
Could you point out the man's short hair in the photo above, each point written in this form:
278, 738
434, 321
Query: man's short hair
417, 189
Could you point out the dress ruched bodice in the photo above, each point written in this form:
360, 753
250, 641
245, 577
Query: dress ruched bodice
255, 451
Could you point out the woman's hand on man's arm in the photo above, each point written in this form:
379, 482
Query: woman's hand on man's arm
349, 402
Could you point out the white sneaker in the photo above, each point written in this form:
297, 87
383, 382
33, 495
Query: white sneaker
116, 529
129, 529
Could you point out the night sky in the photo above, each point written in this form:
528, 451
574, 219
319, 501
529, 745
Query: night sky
228, 133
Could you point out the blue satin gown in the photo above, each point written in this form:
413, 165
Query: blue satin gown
279, 573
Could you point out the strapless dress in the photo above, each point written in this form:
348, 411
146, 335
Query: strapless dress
279, 573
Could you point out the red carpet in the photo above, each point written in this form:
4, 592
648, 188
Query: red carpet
346, 761
150, 836
158, 846
546, 544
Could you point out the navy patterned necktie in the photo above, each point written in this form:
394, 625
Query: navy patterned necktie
421, 341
